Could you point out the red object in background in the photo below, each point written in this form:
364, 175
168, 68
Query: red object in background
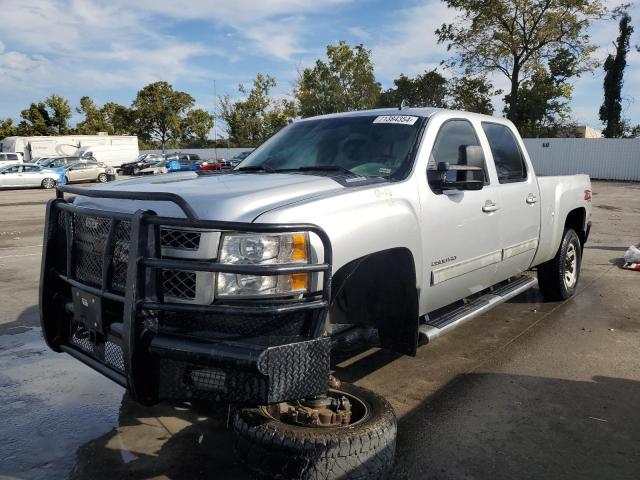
211, 165
587, 195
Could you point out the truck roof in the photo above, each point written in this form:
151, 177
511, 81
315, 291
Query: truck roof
414, 111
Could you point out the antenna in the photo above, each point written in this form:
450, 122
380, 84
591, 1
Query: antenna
404, 104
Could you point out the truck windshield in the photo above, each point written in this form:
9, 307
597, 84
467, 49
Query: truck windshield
370, 146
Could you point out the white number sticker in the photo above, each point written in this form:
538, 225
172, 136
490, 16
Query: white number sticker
397, 119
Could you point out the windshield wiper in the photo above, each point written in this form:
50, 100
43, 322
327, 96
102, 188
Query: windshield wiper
256, 168
319, 168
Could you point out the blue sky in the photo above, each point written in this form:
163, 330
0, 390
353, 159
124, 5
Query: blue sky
110, 49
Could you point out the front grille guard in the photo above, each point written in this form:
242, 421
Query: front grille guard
145, 257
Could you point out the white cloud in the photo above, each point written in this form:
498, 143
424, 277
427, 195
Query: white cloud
274, 27
409, 44
360, 33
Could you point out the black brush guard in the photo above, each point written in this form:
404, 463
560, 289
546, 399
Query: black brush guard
255, 351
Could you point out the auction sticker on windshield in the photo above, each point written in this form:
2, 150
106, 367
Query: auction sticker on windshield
397, 119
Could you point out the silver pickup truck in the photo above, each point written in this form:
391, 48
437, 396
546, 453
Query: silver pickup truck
386, 226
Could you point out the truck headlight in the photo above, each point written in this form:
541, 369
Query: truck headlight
270, 249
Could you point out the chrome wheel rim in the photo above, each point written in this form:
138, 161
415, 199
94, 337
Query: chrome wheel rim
570, 266
102, 178
48, 183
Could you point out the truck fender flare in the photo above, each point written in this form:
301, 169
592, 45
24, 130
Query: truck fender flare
379, 290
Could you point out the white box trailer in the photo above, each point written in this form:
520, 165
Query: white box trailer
33, 148
112, 155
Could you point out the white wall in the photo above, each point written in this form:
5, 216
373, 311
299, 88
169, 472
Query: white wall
602, 158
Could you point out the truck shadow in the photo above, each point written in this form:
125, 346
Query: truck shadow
482, 426
167, 441
27, 319
503, 426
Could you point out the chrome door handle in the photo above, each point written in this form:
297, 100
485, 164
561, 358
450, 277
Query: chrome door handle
489, 206
531, 199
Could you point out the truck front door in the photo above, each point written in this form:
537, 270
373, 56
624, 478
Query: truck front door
518, 197
460, 228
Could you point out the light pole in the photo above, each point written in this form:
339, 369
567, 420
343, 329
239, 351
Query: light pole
215, 117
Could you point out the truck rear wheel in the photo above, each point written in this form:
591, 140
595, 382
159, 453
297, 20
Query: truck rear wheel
558, 278
274, 442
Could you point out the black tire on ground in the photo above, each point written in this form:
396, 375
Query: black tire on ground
135, 171
103, 178
48, 183
363, 450
558, 278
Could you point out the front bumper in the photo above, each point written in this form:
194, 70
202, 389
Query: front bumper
102, 301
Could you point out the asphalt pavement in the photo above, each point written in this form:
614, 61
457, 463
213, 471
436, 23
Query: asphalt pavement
532, 389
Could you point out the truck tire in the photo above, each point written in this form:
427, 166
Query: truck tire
362, 450
558, 278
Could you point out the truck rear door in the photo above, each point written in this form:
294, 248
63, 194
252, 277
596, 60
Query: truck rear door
518, 198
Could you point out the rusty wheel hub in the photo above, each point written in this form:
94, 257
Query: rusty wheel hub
335, 409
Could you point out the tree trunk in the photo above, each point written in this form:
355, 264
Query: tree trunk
513, 95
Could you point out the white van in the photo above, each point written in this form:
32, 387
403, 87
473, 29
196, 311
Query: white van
112, 155
10, 158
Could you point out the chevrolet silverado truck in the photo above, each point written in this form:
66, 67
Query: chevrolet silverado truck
241, 287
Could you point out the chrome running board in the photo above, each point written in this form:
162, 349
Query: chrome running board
435, 327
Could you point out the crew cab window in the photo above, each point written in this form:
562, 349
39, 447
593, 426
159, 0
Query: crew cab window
507, 155
453, 136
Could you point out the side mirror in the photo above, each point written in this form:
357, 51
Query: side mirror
462, 181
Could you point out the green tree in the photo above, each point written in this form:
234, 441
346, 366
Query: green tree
35, 121
196, 127
543, 108
516, 37
112, 118
159, 112
118, 119
256, 117
93, 121
7, 128
59, 113
345, 82
614, 65
50, 117
472, 94
426, 90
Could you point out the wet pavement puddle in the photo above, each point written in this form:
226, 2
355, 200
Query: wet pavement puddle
60, 419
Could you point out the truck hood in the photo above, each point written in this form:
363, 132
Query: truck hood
228, 197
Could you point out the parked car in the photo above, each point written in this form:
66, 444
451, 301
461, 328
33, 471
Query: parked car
401, 223
212, 164
86, 171
191, 157
157, 168
144, 161
234, 161
10, 158
49, 162
30, 175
